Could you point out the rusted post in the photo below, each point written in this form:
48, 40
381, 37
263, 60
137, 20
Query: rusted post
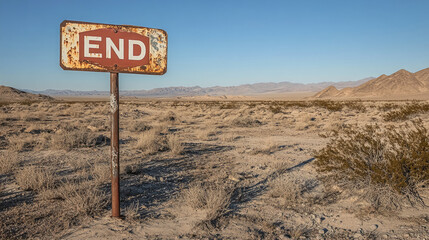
114, 143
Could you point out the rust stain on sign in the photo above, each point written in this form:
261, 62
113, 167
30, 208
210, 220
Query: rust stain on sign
112, 48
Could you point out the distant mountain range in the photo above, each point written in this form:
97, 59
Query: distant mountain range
241, 90
400, 83
8, 94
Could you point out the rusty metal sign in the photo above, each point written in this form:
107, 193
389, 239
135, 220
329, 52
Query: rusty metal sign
112, 48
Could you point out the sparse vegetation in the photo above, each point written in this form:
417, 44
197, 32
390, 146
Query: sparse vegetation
68, 139
8, 162
34, 178
213, 198
211, 169
245, 122
375, 158
152, 141
174, 144
405, 112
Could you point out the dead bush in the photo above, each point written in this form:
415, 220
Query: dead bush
372, 158
8, 162
36, 179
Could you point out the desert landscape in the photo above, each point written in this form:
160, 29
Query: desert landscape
219, 167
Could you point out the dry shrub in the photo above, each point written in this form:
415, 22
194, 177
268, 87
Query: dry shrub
82, 198
355, 105
213, 198
327, 104
21, 143
268, 148
174, 144
299, 232
230, 105
393, 159
291, 190
170, 117
205, 134
245, 122
35, 179
275, 109
8, 162
152, 141
405, 112
138, 126
132, 211
31, 116
76, 138
101, 173
387, 107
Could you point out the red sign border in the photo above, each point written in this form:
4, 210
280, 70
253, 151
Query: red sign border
63, 24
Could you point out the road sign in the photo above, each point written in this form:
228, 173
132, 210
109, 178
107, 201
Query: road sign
112, 48
115, 49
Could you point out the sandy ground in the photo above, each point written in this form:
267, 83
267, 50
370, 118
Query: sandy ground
238, 149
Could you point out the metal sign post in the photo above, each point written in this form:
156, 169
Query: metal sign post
115, 49
114, 142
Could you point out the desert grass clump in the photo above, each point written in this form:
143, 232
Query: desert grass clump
100, 173
35, 179
213, 198
138, 126
291, 191
132, 211
8, 161
174, 144
245, 122
82, 198
379, 160
405, 112
74, 138
21, 143
152, 141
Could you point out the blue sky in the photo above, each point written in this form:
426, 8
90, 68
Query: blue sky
224, 42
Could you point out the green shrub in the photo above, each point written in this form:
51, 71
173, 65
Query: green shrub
375, 158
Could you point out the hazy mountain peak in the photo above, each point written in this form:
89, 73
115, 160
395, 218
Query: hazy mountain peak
401, 82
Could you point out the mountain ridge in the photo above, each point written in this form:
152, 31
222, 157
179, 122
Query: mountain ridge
400, 83
245, 89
